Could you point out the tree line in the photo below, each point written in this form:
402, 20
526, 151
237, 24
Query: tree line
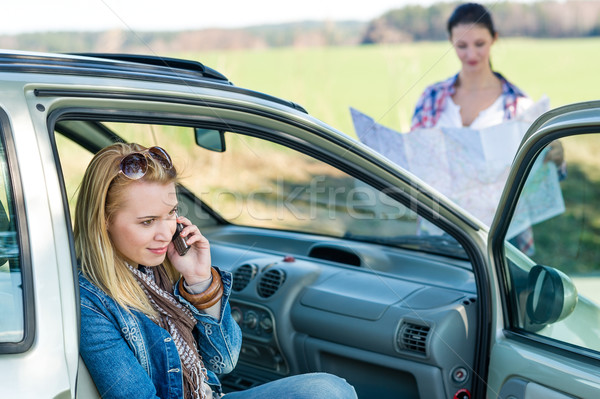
547, 19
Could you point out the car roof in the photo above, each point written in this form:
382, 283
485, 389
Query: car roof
128, 66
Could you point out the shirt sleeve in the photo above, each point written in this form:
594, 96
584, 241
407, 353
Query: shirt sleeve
198, 288
419, 114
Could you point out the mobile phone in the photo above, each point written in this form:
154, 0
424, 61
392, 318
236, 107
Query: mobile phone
179, 242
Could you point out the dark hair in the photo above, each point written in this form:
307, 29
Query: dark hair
471, 13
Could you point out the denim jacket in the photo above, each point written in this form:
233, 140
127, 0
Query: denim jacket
130, 356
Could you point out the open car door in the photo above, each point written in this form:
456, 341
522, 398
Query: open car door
545, 339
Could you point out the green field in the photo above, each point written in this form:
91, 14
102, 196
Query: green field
385, 81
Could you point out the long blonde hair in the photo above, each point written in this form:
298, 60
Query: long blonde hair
100, 197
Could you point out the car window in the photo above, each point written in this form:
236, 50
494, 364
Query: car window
557, 225
262, 184
258, 183
11, 293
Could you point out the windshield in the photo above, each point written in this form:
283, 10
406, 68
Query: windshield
261, 184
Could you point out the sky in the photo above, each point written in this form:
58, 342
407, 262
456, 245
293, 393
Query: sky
24, 16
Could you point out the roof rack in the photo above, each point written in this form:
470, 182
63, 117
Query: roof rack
128, 66
176, 63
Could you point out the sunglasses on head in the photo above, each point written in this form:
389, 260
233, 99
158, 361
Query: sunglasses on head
135, 165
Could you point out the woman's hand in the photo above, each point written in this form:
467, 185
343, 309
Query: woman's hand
555, 154
194, 266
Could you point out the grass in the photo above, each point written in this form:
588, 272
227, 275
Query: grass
386, 81
571, 241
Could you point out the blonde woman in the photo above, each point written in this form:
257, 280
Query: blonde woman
154, 323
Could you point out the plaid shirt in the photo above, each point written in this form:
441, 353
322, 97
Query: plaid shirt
432, 102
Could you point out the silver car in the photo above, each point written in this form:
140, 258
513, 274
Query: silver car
332, 269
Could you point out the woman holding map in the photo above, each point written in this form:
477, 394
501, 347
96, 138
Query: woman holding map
476, 97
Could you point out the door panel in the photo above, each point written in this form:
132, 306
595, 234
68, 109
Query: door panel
545, 246
519, 388
556, 223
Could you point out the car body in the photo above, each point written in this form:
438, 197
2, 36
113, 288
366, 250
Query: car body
320, 232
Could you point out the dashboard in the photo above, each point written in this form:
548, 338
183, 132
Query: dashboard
390, 321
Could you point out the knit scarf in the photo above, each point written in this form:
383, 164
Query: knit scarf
179, 321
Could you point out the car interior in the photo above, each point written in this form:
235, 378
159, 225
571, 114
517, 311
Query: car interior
329, 272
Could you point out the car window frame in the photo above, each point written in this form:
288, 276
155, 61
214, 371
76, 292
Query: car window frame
497, 242
409, 198
138, 116
29, 324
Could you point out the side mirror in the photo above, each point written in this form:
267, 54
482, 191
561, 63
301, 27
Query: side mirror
212, 140
552, 295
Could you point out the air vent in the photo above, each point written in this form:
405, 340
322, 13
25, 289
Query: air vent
242, 276
270, 282
413, 337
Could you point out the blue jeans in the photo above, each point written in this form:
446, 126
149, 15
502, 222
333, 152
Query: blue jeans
302, 386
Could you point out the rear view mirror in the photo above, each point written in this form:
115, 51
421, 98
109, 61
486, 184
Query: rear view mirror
552, 295
210, 139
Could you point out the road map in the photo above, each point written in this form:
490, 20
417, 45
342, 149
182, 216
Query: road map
470, 166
